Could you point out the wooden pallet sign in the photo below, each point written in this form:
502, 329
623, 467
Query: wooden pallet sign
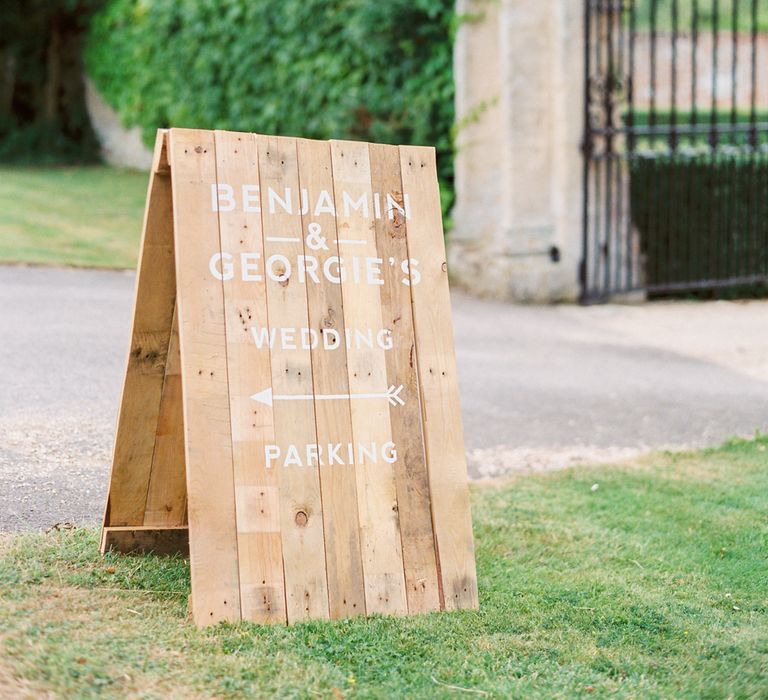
290, 412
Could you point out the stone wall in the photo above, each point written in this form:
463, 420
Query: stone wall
119, 146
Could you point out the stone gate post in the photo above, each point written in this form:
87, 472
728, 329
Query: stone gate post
519, 106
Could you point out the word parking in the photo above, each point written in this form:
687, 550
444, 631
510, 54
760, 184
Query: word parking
320, 455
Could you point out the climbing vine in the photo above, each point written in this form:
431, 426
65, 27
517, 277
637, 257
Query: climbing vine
363, 69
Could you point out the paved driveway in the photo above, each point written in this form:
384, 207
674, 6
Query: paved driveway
542, 387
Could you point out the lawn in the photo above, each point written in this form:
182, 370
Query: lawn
87, 216
644, 580
706, 14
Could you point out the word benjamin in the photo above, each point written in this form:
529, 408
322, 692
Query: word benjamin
338, 453
309, 338
223, 199
335, 269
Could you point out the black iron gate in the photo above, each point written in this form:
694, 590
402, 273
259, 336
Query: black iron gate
675, 147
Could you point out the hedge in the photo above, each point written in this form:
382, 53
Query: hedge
701, 217
360, 69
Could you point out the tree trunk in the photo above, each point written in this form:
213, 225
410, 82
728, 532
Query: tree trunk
7, 81
53, 77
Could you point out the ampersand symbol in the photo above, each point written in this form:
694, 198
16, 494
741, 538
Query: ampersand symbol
314, 240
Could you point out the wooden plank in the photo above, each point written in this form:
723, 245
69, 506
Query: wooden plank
160, 163
367, 372
140, 405
444, 437
167, 496
202, 340
165, 541
411, 479
262, 589
329, 372
301, 515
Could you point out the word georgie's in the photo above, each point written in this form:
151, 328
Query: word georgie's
335, 269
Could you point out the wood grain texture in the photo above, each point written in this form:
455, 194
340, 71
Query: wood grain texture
346, 592
167, 495
233, 403
160, 162
411, 479
262, 588
152, 313
147, 540
367, 372
301, 514
438, 380
202, 339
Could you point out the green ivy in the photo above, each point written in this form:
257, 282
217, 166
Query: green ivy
361, 69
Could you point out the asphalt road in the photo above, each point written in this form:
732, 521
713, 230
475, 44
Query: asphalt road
542, 387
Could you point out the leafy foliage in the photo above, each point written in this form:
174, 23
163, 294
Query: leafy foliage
363, 69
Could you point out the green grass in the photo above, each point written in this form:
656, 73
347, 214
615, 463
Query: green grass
653, 583
89, 216
706, 15
699, 143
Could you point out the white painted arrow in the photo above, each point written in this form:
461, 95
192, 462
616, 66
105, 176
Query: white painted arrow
267, 397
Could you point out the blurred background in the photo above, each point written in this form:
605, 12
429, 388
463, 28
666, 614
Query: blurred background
587, 150
89, 81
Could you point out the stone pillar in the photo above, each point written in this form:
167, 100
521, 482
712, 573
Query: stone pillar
519, 106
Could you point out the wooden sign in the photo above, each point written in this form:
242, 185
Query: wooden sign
290, 409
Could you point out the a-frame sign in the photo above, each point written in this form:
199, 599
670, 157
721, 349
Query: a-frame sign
290, 409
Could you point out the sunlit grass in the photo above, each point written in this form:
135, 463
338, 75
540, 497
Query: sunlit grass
88, 216
646, 580
708, 13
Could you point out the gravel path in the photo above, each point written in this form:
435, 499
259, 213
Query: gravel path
542, 387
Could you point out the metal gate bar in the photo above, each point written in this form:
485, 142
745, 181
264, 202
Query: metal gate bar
675, 175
